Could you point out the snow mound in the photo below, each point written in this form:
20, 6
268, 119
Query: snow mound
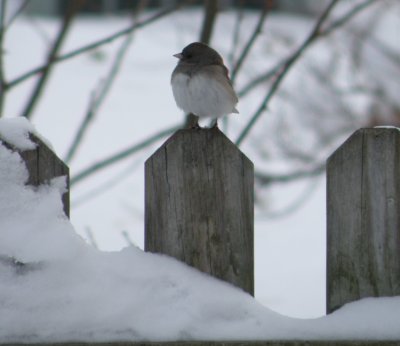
15, 131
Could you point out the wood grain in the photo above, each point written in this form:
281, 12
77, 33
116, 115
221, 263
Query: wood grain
363, 217
199, 205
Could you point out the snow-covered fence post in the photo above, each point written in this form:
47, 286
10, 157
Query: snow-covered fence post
199, 205
43, 165
363, 220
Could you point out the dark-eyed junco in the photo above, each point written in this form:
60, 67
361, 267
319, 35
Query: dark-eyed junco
200, 83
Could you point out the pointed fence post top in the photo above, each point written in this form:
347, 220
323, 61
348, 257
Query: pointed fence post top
379, 133
199, 205
190, 137
363, 217
43, 165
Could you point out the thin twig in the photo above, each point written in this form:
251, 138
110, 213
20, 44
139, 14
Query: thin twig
96, 44
90, 237
256, 32
15, 15
45, 73
281, 74
267, 179
108, 184
315, 33
98, 98
294, 205
334, 25
82, 128
210, 14
2, 31
121, 155
260, 79
236, 34
343, 20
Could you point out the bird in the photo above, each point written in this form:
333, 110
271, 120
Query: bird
201, 85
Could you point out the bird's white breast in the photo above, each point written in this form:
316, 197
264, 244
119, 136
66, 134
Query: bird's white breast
202, 95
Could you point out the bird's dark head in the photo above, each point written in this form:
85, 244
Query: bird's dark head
199, 53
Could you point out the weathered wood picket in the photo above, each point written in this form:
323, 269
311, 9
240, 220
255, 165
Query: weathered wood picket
363, 220
43, 165
199, 209
199, 205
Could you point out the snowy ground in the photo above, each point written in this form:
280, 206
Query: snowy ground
69, 291
289, 252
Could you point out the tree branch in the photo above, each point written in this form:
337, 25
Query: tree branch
52, 56
334, 25
294, 205
236, 34
98, 98
288, 64
316, 33
257, 30
267, 179
19, 10
261, 79
121, 155
343, 20
2, 31
210, 14
96, 44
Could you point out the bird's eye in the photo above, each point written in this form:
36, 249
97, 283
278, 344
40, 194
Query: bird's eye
188, 56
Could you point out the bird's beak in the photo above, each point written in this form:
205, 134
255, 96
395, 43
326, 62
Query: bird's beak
179, 56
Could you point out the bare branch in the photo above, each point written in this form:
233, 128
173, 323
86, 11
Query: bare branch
128, 239
91, 238
98, 98
121, 155
210, 14
261, 79
2, 31
96, 44
334, 25
19, 10
294, 205
316, 33
349, 15
108, 184
267, 179
288, 64
257, 30
236, 34
45, 73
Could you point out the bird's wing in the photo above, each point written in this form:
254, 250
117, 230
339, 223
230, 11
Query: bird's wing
220, 73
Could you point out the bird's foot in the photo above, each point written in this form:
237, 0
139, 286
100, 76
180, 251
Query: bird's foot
195, 126
215, 124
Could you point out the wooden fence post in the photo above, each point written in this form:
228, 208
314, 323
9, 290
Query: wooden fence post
43, 165
363, 217
199, 205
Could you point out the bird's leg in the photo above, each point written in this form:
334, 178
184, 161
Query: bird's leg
215, 124
192, 121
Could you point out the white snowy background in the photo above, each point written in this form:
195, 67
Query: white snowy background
114, 294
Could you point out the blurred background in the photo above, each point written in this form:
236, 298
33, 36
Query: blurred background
94, 78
